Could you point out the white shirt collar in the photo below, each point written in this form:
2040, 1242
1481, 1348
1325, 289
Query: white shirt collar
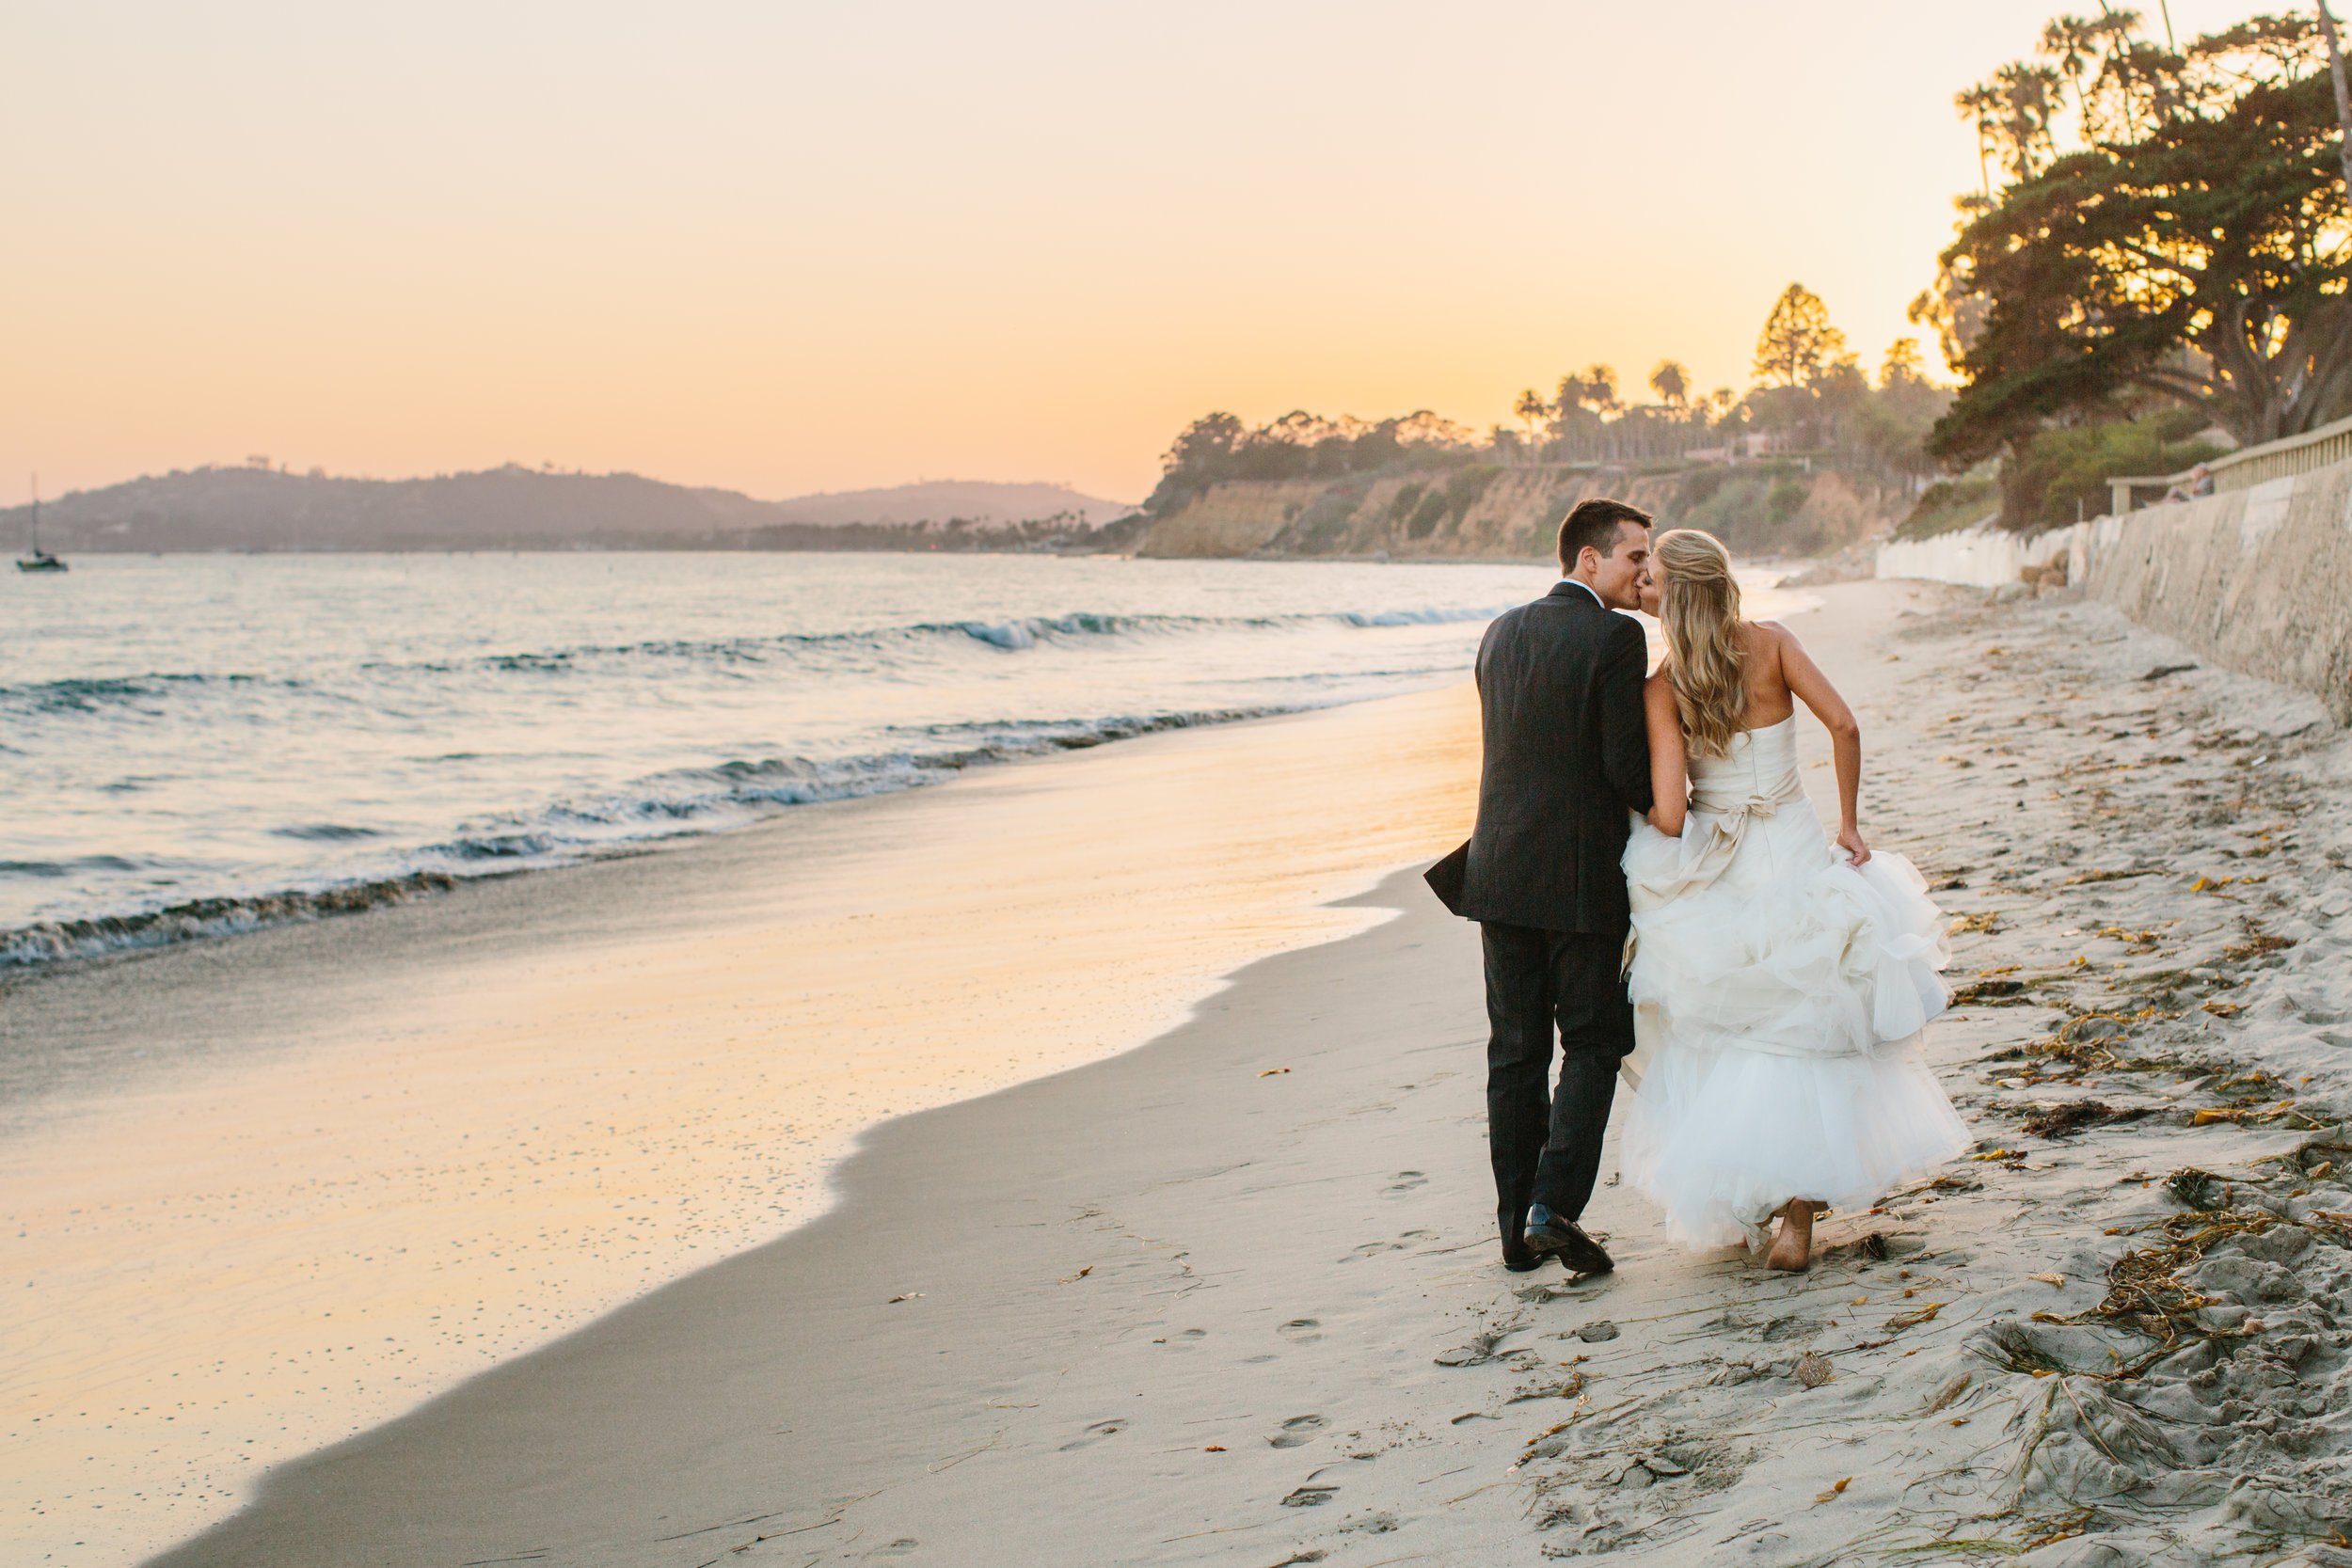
1589, 589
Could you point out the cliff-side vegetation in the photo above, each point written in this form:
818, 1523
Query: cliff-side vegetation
2156, 227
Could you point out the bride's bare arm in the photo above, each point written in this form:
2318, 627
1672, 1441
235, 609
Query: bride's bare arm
1669, 768
1810, 686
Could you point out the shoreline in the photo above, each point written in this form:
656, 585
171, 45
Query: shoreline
740, 1006
1182, 1304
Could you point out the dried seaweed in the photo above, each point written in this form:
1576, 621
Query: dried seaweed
2145, 1291
2061, 1121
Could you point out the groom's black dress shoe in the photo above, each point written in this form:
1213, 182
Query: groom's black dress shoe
1515, 1254
1547, 1236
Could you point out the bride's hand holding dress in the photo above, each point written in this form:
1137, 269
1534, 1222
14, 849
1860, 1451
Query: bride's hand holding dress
1780, 977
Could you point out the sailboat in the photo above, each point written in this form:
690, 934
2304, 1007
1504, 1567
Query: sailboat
36, 559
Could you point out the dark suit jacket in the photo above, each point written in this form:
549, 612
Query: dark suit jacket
1566, 757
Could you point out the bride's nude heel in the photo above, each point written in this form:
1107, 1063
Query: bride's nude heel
1793, 1248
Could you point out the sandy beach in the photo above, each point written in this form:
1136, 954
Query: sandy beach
1233, 1298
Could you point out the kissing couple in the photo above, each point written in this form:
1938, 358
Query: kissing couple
1651, 883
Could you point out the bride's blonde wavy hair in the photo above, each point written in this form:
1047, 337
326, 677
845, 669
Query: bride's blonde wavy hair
1706, 661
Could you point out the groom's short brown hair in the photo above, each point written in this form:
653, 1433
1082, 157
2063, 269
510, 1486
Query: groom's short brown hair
1594, 523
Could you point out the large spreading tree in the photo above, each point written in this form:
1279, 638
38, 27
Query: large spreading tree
2188, 240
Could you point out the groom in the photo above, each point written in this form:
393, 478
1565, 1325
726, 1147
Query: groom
1567, 758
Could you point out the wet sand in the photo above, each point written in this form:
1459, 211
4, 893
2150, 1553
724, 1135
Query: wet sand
1232, 1297
265, 1193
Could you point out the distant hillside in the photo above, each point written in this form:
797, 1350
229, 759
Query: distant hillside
518, 508
939, 501
1448, 508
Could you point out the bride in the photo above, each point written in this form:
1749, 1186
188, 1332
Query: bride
1779, 981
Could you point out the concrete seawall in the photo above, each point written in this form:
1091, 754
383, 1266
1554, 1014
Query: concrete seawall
2258, 581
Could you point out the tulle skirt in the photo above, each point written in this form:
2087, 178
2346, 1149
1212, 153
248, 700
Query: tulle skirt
1778, 1008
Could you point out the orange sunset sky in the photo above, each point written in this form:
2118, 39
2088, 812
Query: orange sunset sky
784, 248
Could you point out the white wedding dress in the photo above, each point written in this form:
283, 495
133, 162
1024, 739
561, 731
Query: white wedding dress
1779, 991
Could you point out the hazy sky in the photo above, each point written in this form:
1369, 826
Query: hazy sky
785, 247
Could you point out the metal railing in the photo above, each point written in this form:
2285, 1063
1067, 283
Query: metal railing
2245, 468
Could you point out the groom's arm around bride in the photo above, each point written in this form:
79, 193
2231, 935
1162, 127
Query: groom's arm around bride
1567, 758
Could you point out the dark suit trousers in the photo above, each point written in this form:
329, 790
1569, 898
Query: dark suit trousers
1545, 1143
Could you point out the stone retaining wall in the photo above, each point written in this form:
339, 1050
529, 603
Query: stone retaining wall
2258, 581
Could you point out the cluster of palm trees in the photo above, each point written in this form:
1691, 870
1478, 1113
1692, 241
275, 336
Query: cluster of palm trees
2123, 85
1587, 419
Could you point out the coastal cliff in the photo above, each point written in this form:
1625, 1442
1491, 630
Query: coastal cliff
1482, 511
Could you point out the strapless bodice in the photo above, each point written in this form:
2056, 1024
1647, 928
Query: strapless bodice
1760, 766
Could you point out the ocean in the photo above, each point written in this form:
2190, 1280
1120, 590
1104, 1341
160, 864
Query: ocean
317, 1178
199, 745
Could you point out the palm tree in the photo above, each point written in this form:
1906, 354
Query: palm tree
2073, 42
1980, 102
1531, 408
1672, 383
1601, 389
2025, 94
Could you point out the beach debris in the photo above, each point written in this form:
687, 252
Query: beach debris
1212, 1448
2091, 1029
1310, 1496
1274, 1072
2239, 1115
1080, 1274
1835, 1492
2061, 1121
1597, 1331
2197, 1189
1479, 1351
1986, 921
2048, 1278
1812, 1369
1950, 1391
2259, 943
910, 1295
1901, 1320
2161, 670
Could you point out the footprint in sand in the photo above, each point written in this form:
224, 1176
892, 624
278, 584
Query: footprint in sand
899, 1548
1298, 1431
1407, 1181
1095, 1434
1301, 1331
